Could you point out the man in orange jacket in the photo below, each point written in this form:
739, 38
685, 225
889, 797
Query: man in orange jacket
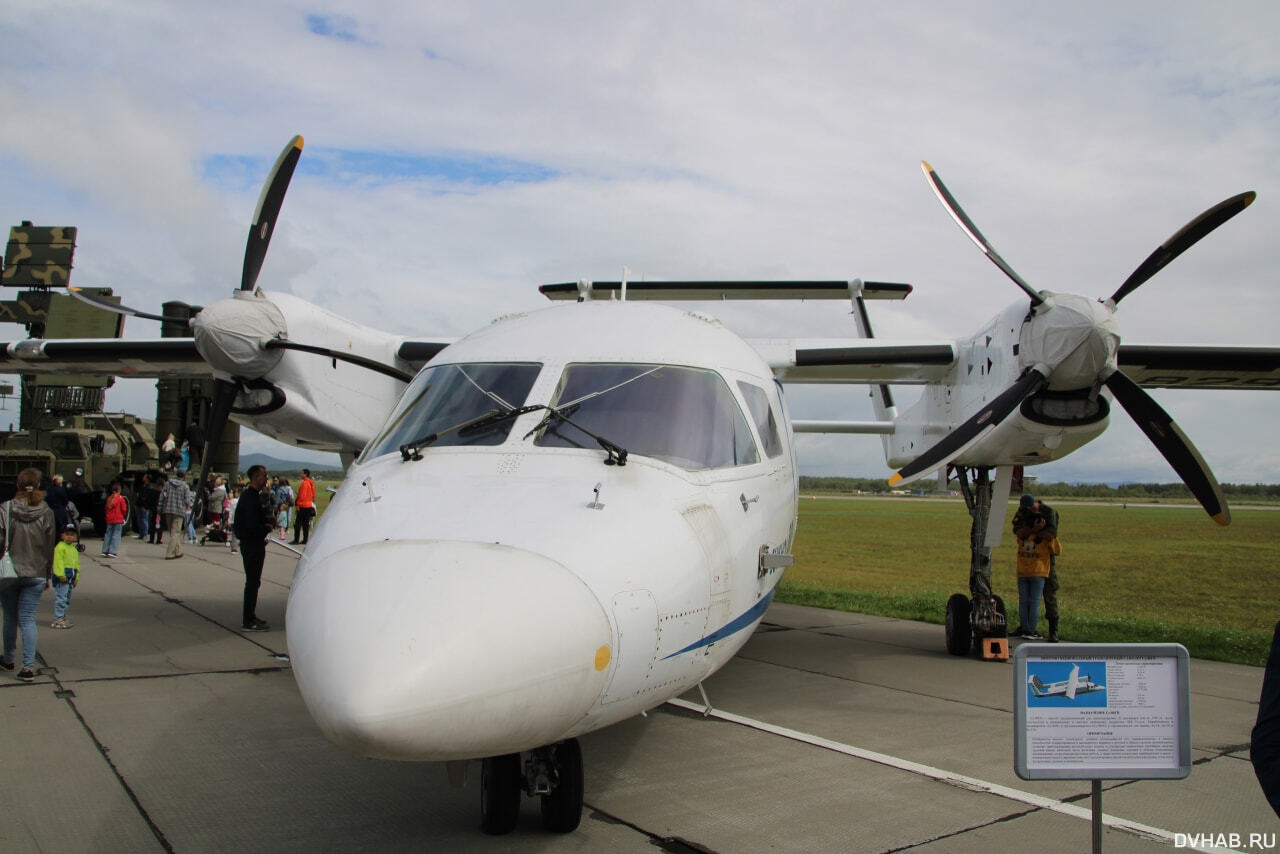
306, 503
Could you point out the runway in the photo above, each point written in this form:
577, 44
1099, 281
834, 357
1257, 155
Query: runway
156, 725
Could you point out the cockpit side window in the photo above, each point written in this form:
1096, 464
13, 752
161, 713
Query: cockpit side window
685, 416
762, 413
442, 400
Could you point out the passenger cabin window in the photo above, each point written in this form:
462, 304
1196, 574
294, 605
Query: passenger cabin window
762, 413
443, 399
684, 416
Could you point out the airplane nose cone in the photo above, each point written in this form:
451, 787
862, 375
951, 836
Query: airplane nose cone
445, 650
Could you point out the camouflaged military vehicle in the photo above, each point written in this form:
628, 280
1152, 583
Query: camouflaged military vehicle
89, 451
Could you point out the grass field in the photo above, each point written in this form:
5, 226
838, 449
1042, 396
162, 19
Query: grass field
1127, 574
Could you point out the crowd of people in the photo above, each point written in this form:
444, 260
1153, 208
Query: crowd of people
167, 504
40, 535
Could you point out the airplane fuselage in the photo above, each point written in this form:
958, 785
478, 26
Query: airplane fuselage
515, 590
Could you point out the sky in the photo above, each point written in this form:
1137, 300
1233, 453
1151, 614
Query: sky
460, 154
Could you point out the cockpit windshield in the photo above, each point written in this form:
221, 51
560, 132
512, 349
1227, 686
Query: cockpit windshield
685, 416
451, 405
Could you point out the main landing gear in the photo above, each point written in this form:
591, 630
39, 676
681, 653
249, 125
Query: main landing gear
980, 621
553, 773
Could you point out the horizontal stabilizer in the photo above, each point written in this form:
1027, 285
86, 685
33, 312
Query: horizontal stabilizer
727, 290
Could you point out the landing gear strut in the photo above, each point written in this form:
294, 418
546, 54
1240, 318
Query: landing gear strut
970, 622
553, 773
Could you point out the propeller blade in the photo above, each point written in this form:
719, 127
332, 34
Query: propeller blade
1173, 444
118, 308
1186, 237
962, 219
264, 218
959, 439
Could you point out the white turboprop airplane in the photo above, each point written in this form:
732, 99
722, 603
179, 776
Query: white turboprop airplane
574, 514
1068, 688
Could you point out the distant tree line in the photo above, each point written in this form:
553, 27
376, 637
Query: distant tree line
1062, 490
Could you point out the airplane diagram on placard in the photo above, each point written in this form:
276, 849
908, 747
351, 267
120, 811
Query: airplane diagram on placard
1069, 687
573, 514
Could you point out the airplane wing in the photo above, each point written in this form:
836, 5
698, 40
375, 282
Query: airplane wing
1160, 366
118, 357
861, 360
161, 357
1073, 682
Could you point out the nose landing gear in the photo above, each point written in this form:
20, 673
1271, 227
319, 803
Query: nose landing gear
553, 773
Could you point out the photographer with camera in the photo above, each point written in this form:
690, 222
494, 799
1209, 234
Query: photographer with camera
1035, 524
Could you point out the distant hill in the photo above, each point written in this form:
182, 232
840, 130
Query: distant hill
278, 466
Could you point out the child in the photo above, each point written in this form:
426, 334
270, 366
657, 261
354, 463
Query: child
231, 514
66, 574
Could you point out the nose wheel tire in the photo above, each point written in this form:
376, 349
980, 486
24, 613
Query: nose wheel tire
562, 807
959, 633
500, 794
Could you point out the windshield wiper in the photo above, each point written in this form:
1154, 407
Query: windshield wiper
413, 450
616, 454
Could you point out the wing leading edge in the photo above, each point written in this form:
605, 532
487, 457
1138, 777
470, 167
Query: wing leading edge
1160, 366
162, 357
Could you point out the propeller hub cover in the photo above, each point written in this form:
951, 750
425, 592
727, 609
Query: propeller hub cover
1075, 337
230, 335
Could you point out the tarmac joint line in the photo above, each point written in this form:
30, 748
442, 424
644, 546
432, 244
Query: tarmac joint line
670, 844
68, 696
1138, 829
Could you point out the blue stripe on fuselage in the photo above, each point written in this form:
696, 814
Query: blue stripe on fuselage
732, 627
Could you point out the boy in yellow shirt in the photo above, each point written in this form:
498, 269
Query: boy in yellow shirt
66, 574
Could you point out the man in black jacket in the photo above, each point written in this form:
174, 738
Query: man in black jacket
253, 522
1264, 748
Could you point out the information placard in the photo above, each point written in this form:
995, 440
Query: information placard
1102, 711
